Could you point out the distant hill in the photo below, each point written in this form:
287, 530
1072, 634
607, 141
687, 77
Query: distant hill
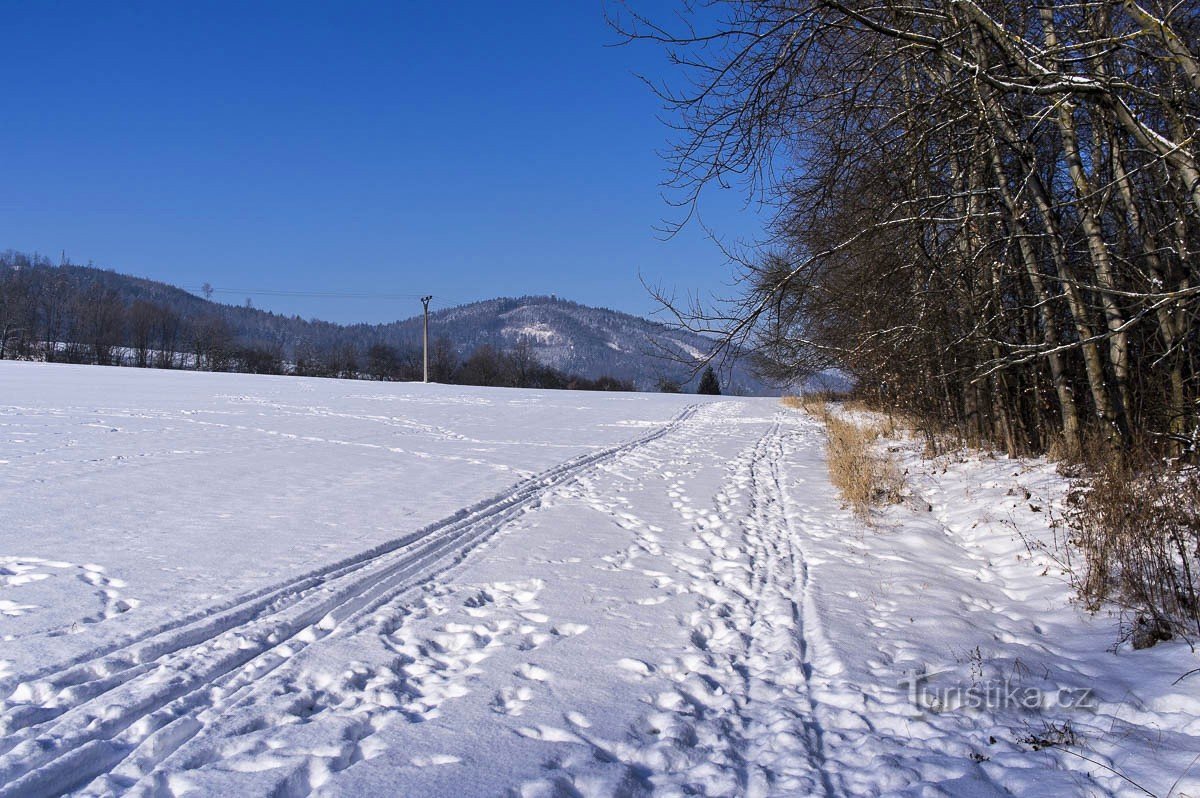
569, 336
578, 339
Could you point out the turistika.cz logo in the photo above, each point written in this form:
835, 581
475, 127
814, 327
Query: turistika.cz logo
925, 690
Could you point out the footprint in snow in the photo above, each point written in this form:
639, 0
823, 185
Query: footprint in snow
19, 571
14, 610
635, 666
533, 673
512, 700
578, 719
434, 760
549, 734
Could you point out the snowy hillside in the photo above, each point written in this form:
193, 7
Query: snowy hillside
579, 339
218, 584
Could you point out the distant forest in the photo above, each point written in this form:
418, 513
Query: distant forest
79, 314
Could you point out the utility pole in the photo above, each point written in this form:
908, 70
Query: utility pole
425, 334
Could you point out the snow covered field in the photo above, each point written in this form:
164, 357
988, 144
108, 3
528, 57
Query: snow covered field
219, 584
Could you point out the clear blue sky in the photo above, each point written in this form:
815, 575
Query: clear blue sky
465, 149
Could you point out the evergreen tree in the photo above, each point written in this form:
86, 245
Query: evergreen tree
709, 384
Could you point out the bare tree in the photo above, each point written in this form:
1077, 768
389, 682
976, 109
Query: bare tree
443, 360
987, 212
143, 318
98, 316
167, 330
383, 362
211, 343
524, 362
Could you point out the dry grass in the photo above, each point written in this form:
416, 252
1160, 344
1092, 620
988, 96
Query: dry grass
1137, 525
865, 476
939, 439
816, 405
1135, 520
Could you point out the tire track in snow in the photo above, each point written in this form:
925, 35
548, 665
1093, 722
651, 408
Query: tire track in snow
73, 724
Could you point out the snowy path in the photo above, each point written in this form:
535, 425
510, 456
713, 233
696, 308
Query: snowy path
681, 609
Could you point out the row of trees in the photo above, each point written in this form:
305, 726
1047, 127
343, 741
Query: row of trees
48, 294
486, 365
988, 211
55, 321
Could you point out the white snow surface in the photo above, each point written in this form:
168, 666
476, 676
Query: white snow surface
221, 584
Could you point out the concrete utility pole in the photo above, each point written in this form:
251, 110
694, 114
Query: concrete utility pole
425, 334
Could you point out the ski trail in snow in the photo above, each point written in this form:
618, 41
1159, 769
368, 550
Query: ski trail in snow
69, 725
778, 662
741, 718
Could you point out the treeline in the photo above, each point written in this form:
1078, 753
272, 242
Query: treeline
989, 211
55, 319
486, 366
58, 320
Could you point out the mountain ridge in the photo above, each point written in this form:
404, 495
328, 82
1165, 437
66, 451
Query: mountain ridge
583, 339
567, 335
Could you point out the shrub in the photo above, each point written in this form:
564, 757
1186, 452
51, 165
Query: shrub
1138, 528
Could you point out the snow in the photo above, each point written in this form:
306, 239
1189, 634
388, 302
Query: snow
237, 585
688, 349
541, 332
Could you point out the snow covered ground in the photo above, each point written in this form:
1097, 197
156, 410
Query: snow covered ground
235, 585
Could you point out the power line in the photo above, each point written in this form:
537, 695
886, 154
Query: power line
437, 300
315, 294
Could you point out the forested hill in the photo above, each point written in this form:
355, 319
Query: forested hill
577, 339
41, 302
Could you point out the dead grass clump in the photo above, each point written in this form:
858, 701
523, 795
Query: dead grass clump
865, 476
1137, 526
815, 404
887, 426
1060, 450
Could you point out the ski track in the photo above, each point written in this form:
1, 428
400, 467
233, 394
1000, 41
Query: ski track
138, 702
742, 717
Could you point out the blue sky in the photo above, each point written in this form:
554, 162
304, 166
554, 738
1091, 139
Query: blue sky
468, 150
